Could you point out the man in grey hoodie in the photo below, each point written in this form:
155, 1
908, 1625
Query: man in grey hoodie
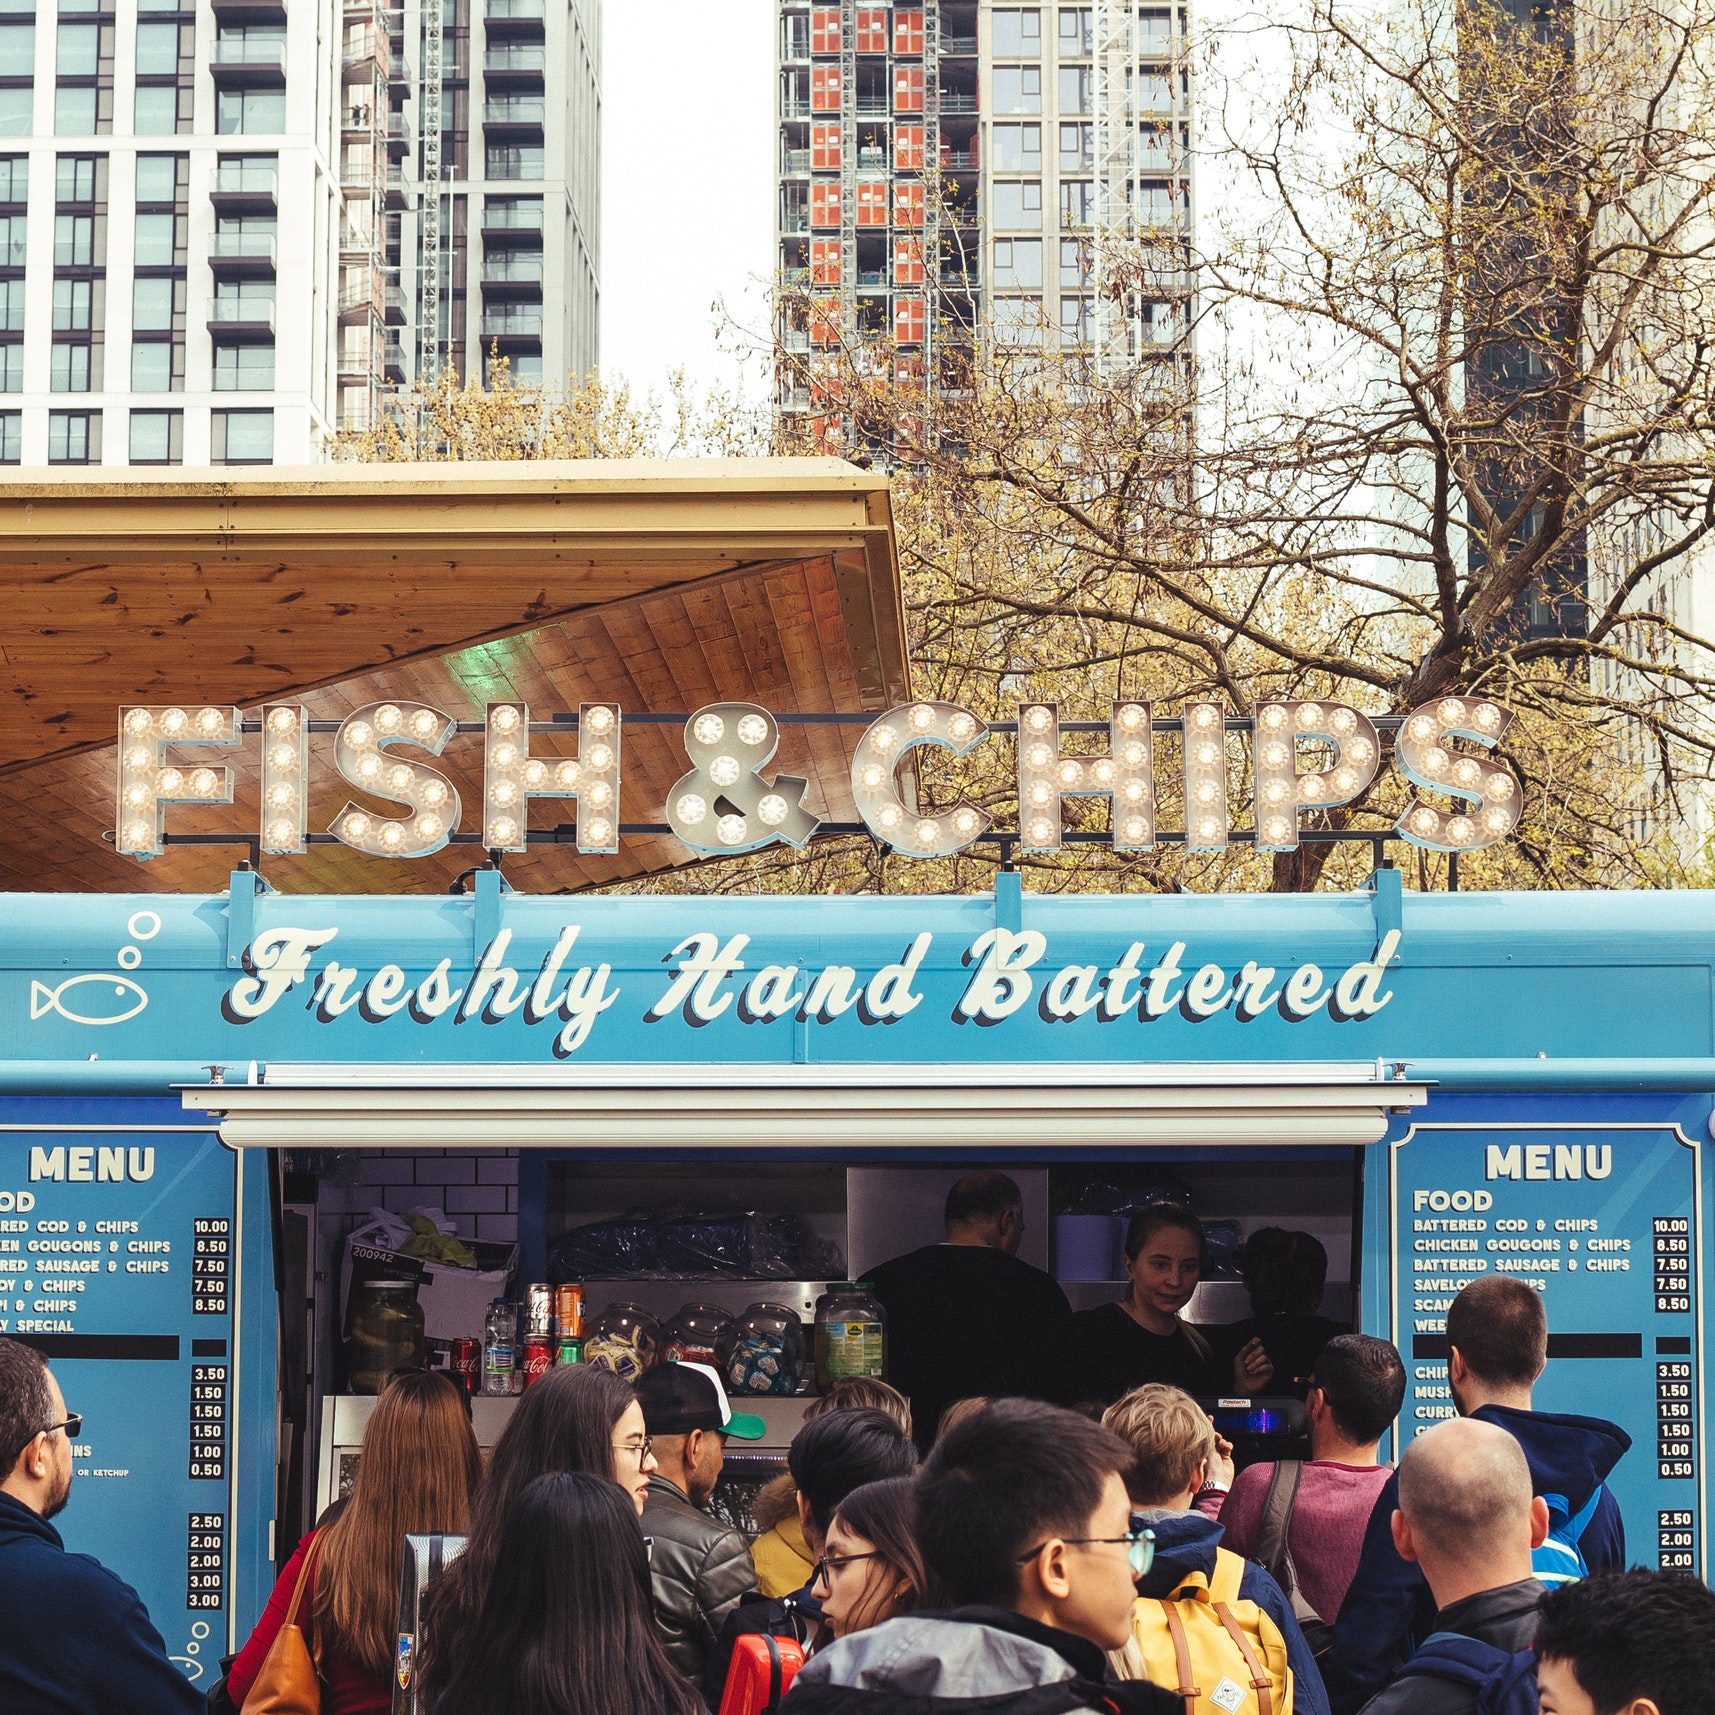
1023, 1513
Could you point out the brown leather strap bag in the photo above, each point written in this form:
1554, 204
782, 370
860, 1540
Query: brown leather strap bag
289, 1683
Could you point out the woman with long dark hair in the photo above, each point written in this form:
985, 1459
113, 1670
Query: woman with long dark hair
1101, 1354
567, 1624
419, 1471
872, 1569
574, 1419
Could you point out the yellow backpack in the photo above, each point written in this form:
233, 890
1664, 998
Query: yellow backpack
1223, 1656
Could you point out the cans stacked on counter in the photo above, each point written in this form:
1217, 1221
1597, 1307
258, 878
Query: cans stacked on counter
569, 1323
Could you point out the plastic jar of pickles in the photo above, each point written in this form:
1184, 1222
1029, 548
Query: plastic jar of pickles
851, 1334
386, 1333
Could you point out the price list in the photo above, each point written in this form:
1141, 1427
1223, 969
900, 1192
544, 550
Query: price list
1676, 1544
1672, 1265
211, 1263
205, 1561
208, 1421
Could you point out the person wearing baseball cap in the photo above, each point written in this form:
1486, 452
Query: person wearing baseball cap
701, 1570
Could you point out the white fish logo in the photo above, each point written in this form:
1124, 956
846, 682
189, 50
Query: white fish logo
112, 989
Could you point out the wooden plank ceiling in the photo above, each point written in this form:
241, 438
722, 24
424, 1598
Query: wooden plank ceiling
657, 585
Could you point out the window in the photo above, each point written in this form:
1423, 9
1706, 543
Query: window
83, 83
253, 300
1018, 202
1076, 35
69, 370
17, 49
79, 286
17, 111
1154, 35
11, 306
1156, 148
158, 50
11, 437
74, 115
1077, 148
1076, 262
155, 245
1018, 321
520, 213
1077, 202
526, 368
242, 437
79, 50
14, 178
73, 300
74, 437
1018, 89
252, 110
1154, 93
152, 366
1077, 84
152, 303
515, 162
1017, 148
157, 437
74, 240
243, 368
1077, 322
1017, 262
1160, 204
12, 369
1018, 32
13, 247
158, 177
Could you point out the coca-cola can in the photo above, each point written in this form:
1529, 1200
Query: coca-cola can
539, 1313
466, 1367
569, 1311
538, 1359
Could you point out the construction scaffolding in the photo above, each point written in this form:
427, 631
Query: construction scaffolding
363, 186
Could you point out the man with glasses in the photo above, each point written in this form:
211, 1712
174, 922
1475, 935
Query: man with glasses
1022, 1512
700, 1569
74, 1639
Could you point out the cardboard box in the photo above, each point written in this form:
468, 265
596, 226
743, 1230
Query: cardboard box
454, 1300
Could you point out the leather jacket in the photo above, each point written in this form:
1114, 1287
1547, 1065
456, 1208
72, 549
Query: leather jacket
700, 1570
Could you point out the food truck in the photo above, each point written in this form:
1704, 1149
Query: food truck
213, 1090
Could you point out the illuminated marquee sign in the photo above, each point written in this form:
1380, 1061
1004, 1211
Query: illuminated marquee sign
726, 804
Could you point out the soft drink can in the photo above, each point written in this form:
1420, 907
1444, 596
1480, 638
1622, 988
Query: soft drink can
571, 1350
538, 1360
569, 1310
467, 1364
539, 1313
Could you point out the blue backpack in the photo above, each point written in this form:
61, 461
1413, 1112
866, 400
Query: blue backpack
1560, 1560
1505, 1684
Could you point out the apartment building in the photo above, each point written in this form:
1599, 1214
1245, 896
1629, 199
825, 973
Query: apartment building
213, 220
951, 171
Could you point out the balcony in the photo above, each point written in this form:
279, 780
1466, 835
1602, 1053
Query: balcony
794, 107
874, 106
399, 135
240, 64
955, 160
398, 69
393, 306
358, 300
959, 47
512, 328
795, 160
393, 368
512, 226
958, 101
249, 11
517, 20
361, 59
242, 323
242, 255
515, 65
240, 188
513, 277
795, 220
874, 159
516, 118
395, 197
872, 277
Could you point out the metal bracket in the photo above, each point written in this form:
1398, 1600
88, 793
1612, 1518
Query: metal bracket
1387, 891
1008, 899
490, 885
243, 888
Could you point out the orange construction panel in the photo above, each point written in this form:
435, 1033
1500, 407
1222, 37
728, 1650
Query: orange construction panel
872, 30
824, 89
908, 148
824, 205
825, 31
907, 32
824, 322
909, 321
907, 261
908, 89
825, 148
872, 202
824, 262
907, 205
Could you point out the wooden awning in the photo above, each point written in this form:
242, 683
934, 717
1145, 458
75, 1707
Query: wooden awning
658, 584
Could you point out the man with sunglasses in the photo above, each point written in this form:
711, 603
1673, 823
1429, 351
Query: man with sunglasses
74, 1639
1022, 1512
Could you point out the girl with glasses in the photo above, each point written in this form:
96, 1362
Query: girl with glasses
872, 1569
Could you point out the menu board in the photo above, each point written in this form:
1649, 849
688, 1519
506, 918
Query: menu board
118, 1250
1602, 1222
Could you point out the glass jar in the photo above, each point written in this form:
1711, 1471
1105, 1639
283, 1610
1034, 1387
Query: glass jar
768, 1357
386, 1333
851, 1334
699, 1334
625, 1338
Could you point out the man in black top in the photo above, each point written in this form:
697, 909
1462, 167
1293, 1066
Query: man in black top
960, 1315
1468, 1518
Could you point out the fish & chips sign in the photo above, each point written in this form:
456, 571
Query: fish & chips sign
727, 804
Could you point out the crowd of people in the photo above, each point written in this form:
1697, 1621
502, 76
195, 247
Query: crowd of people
1021, 1556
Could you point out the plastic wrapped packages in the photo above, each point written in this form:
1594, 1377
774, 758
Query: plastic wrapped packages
625, 1339
768, 1357
606, 1250
699, 1334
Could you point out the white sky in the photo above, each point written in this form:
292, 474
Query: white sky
687, 184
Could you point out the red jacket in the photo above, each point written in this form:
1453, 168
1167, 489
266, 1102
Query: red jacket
346, 1690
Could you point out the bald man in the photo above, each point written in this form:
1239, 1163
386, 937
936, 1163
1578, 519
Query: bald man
1467, 1517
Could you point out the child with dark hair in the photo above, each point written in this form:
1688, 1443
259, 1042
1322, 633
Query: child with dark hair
1627, 1643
